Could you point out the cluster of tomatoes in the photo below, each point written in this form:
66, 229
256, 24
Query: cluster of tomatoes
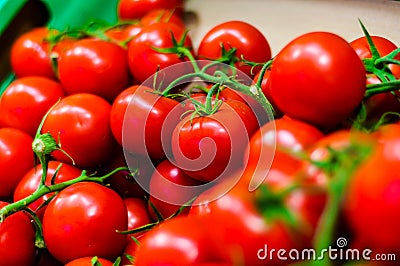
123, 145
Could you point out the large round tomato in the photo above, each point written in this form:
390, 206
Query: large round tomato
249, 42
30, 54
179, 241
30, 182
145, 60
82, 221
26, 100
82, 124
144, 125
17, 240
318, 78
94, 66
278, 142
16, 159
206, 147
135, 9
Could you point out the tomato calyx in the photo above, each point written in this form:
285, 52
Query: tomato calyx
178, 47
379, 66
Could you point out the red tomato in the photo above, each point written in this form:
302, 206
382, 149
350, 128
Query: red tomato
30, 54
170, 188
147, 122
275, 142
81, 123
17, 240
94, 66
127, 258
124, 33
179, 241
138, 214
30, 182
381, 103
88, 261
162, 15
318, 78
206, 147
267, 91
144, 60
82, 220
248, 41
249, 227
16, 158
26, 100
372, 200
127, 183
134, 9
382, 44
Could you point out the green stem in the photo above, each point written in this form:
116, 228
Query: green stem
373, 89
348, 161
44, 189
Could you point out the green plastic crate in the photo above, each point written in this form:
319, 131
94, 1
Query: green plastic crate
18, 16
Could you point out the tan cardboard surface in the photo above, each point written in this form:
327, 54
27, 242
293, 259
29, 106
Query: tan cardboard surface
283, 20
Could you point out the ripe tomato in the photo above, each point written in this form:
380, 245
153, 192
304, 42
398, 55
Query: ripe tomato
382, 44
381, 103
79, 223
123, 34
17, 240
16, 158
90, 261
248, 41
170, 188
206, 147
274, 142
144, 60
30, 54
250, 225
135, 9
81, 123
318, 78
127, 183
94, 66
162, 15
30, 182
179, 241
146, 121
26, 100
372, 200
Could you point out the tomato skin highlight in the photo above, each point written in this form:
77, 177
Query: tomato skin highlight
30, 54
79, 223
250, 43
94, 66
26, 100
318, 78
17, 240
208, 147
16, 158
81, 123
144, 61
